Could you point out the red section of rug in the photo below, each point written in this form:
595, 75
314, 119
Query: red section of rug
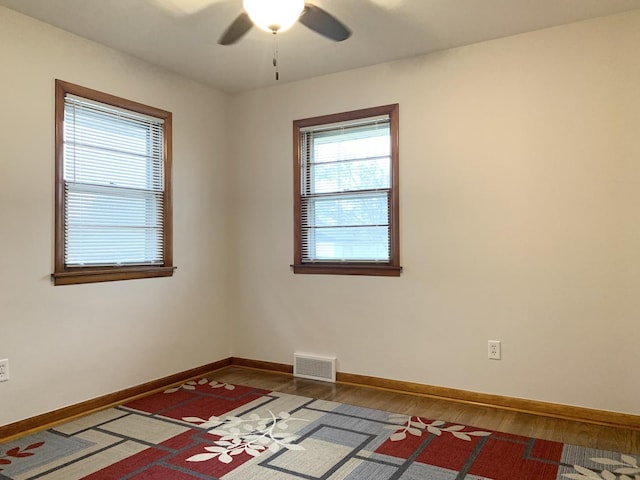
161, 473
504, 460
122, 468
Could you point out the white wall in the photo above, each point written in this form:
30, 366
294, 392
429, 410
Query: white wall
520, 221
72, 343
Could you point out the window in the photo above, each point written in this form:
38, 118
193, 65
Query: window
113, 188
346, 193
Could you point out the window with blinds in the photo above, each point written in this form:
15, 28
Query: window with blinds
346, 193
113, 187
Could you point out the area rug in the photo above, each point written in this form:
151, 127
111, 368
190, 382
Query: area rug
209, 430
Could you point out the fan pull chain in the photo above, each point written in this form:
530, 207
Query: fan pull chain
275, 54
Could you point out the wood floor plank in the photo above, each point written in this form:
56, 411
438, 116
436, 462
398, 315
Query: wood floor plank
577, 433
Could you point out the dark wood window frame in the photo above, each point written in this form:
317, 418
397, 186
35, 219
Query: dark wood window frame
67, 275
390, 268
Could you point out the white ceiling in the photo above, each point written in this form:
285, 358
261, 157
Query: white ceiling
181, 35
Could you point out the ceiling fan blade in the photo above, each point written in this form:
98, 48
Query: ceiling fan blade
241, 25
324, 23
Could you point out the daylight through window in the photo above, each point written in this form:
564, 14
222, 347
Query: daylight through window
113, 212
347, 197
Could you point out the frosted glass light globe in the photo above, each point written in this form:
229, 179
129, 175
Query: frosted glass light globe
274, 15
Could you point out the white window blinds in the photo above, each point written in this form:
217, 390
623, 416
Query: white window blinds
113, 185
345, 191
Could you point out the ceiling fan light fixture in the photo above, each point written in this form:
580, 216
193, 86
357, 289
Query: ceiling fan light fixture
274, 15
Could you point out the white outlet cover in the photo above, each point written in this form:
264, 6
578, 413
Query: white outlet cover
4, 370
494, 352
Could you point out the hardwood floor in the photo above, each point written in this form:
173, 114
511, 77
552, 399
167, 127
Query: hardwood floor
607, 438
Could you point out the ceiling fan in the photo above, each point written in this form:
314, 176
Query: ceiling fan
278, 15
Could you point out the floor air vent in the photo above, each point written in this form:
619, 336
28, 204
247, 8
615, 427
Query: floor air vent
315, 368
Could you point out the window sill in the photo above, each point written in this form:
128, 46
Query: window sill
347, 269
94, 275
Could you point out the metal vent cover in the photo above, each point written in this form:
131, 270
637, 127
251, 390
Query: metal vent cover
314, 367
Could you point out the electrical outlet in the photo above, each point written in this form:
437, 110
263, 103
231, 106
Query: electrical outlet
4, 370
494, 350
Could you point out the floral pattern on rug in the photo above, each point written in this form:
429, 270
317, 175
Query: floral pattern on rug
206, 429
193, 385
416, 426
627, 468
253, 436
15, 453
